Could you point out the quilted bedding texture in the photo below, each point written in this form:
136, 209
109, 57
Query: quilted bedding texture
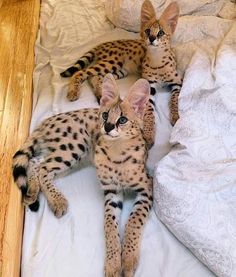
201, 147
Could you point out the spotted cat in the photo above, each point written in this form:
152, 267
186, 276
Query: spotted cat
114, 133
151, 56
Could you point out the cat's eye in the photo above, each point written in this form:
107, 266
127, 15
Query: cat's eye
122, 120
147, 32
105, 115
160, 33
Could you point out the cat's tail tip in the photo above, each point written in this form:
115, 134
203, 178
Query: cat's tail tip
69, 72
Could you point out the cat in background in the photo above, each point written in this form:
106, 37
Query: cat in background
151, 56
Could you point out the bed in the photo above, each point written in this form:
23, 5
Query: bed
192, 226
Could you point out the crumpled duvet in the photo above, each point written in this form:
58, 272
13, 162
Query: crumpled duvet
195, 183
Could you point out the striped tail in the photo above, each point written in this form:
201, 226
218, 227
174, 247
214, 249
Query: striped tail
21, 162
82, 63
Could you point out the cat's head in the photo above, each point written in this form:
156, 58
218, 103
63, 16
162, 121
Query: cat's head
122, 118
157, 32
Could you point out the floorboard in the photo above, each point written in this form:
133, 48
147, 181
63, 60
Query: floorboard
18, 30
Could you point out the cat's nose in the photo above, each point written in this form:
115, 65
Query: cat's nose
108, 127
152, 38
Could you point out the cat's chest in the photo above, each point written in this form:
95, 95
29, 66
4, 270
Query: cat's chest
158, 66
116, 167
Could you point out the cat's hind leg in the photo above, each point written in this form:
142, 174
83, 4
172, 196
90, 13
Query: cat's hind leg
100, 68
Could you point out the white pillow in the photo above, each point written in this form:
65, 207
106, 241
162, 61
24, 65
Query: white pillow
126, 13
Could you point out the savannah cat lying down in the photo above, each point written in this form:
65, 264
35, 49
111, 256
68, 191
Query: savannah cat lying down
114, 134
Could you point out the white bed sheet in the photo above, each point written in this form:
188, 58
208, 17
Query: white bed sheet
74, 244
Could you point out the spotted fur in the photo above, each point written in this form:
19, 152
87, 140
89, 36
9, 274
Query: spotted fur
114, 134
151, 56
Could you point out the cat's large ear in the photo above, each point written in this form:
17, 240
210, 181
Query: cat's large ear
109, 90
138, 96
169, 17
147, 13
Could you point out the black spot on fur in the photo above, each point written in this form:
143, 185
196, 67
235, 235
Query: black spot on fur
56, 168
109, 191
63, 147
144, 194
58, 159
75, 136
81, 147
153, 91
70, 145
57, 139
113, 204
120, 205
75, 156
151, 101
69, 129
67, 163
139, 190
104, 151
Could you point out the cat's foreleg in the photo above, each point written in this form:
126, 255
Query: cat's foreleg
134, 227
113, 206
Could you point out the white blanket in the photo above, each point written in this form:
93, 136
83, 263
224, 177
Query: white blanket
195, 190
74, 244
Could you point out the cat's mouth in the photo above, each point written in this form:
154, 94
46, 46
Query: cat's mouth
110, 136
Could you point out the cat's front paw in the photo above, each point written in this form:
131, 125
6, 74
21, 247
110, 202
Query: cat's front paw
58, 205
129, 262
173, 118
74, 88
72, 95
113, 267
149, 136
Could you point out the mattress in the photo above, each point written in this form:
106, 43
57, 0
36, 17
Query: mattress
74, 244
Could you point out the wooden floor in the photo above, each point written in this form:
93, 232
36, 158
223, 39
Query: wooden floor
18, 29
